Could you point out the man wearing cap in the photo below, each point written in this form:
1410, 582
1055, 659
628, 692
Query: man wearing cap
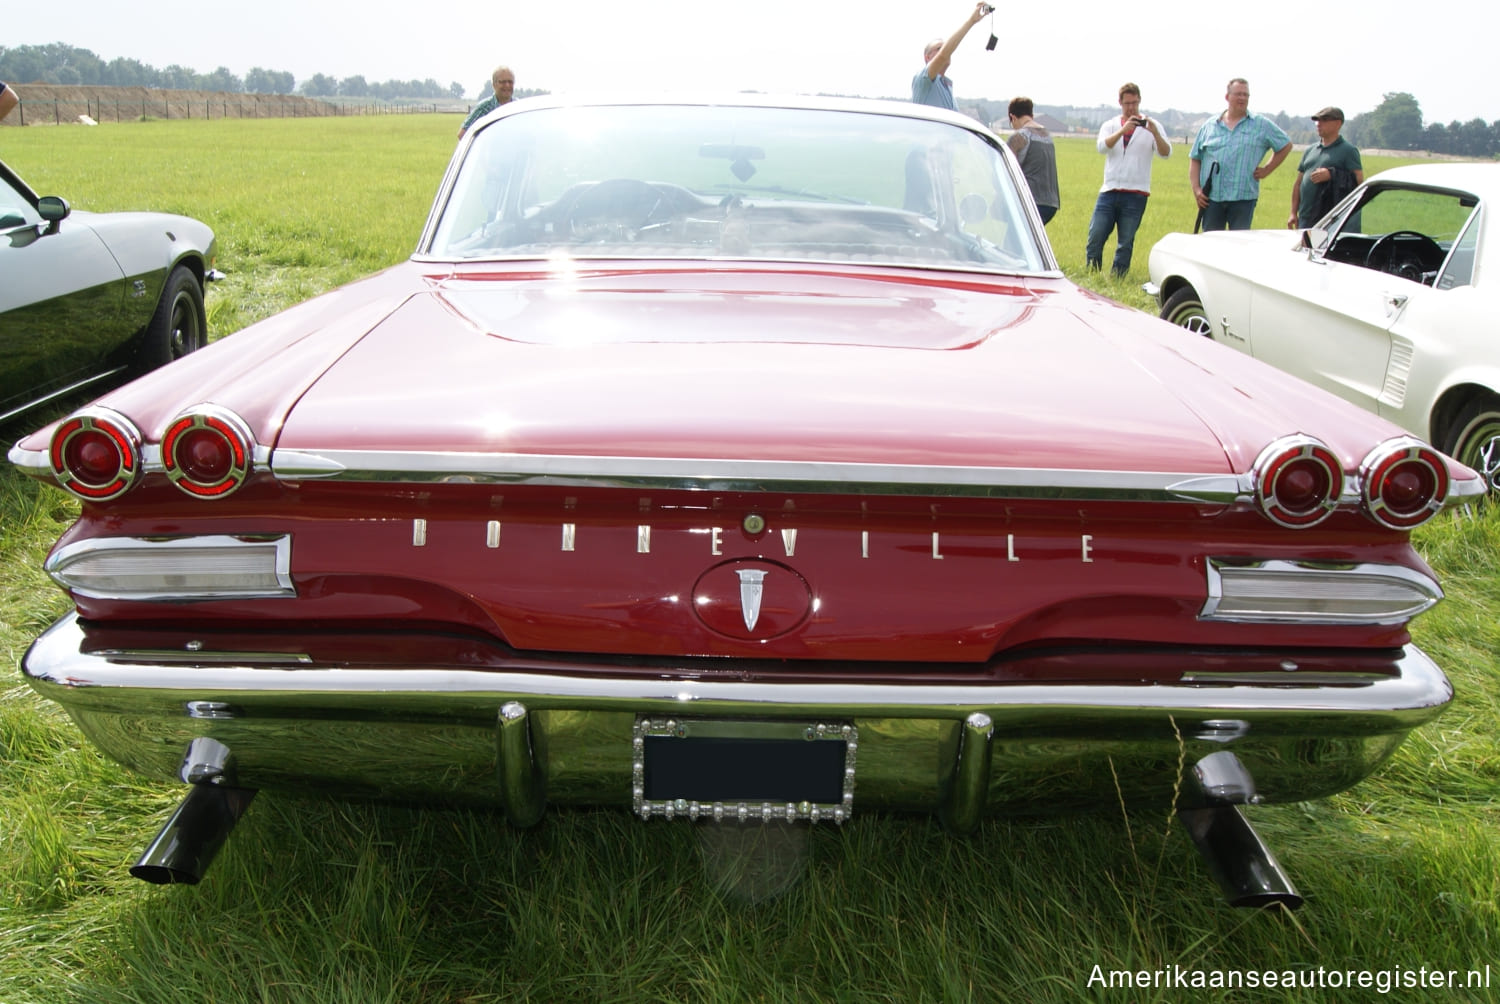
1328, 172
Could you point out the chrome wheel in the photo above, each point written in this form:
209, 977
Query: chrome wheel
1477, 442
1184, 309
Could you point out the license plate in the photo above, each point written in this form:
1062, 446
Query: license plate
750, 771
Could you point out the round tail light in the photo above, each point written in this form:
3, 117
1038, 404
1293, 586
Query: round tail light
1405, 483
1298, 481
96, 454
207, 451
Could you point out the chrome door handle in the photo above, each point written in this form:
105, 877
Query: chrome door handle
1394, 302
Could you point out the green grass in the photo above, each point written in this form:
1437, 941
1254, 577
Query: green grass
321, 901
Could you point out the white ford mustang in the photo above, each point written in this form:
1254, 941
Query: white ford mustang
1386, 302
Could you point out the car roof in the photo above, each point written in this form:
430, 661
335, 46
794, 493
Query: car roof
876, 106
1482, 179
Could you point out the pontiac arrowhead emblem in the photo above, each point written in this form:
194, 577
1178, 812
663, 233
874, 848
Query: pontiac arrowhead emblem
751, 589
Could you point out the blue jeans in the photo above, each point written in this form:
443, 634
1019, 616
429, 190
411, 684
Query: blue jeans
1114, 209
1234, 215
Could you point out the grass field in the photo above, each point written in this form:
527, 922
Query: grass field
313, 901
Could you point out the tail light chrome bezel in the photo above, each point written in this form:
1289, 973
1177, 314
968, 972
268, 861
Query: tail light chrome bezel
1384, 463
1282, 460
121, 435
230, 430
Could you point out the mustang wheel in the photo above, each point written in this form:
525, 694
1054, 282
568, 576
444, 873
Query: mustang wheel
1476, 441
180, 324
1184, 309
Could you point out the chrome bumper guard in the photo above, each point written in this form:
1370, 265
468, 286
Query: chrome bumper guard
524, 739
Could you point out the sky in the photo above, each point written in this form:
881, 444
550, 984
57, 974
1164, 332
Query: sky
1297, 56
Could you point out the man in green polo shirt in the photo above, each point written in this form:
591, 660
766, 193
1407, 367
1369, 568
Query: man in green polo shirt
1328, 172
503, 83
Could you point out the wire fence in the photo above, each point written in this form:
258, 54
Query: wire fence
43, 111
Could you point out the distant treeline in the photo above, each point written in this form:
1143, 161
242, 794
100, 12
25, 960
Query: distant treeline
66, 65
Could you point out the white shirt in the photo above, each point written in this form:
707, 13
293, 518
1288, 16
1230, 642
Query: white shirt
1128, 165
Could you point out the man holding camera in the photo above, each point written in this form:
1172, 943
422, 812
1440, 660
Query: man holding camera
930, 86
1129, 144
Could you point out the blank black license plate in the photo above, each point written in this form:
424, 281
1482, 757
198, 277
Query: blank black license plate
743, 770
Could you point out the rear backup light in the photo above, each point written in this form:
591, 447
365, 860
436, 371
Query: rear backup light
207, 451
96, 454
1298, 481
175, 568
1405, 483
1310, 592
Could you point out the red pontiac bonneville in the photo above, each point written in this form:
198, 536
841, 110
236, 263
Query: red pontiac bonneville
744, 461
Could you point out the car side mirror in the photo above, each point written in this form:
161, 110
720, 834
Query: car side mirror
54, 209
1311, 240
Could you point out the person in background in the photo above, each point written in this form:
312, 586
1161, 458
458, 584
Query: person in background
1129, 144
1224, 164
1033, 147
930, 86
503, 82
8, 99
1327, 173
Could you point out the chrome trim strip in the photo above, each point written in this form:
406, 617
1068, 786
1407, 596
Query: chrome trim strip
718, 474
58, 667
58, 562
62, 392
1365, 571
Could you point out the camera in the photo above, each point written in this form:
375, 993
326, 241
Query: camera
1140, 121
986, 9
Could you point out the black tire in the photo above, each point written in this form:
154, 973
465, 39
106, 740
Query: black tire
1475, 438
1184, 309
180, 324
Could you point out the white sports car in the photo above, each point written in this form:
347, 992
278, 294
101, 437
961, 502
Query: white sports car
1386, 302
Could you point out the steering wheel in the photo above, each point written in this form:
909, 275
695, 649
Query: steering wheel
1404, 253
616, 209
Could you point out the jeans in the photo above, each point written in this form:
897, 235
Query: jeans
1115, 209
1234, 215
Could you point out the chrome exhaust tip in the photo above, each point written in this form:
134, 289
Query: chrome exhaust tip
1239, 860
186, 845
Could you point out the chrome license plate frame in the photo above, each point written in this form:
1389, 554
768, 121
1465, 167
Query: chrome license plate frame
743, 770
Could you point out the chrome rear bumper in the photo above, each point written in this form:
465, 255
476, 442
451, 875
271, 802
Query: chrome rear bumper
524, 738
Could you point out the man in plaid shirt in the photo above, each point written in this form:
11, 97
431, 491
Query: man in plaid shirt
1225, 162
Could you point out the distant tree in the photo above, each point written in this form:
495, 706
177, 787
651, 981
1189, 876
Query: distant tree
22, 64
320, 85
1435, 138
354, 87
178, 78
129, 73
67, 76
455, 90
220, 80
258, 81
1476, 139
1396, 123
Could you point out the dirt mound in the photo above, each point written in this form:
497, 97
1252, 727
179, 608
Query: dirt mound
48, 104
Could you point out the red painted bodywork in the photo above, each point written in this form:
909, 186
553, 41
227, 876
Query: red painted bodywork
797, 363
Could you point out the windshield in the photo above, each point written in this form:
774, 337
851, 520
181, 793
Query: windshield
682, 181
